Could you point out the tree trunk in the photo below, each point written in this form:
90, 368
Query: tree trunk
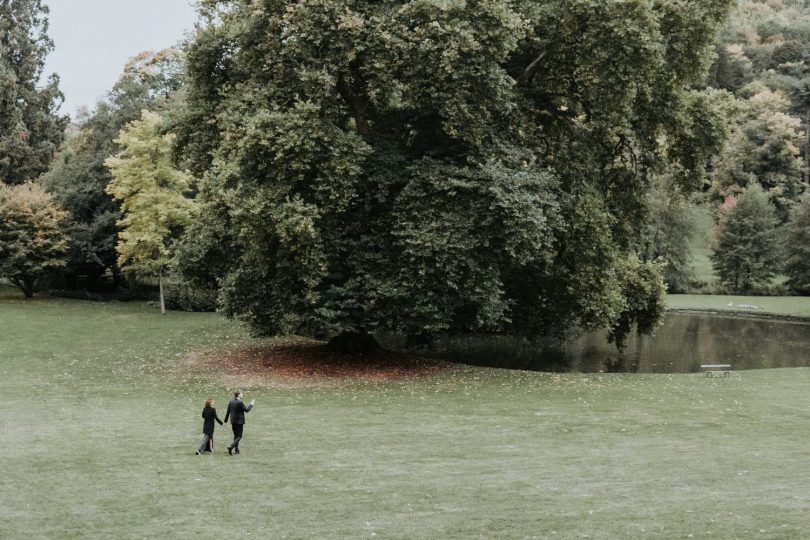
354, 343
356, 101
28, 287
160, 284
118, 278
25, 284
807, 145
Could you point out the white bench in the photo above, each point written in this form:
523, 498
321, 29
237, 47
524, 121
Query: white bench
716, 369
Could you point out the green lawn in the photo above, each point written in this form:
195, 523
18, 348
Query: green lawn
790, 306
101, 418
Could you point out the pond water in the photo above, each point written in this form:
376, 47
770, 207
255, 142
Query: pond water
681, 345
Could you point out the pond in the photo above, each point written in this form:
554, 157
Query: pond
684, 342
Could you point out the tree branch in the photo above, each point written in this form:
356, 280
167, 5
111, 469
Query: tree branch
356, 103
531, 68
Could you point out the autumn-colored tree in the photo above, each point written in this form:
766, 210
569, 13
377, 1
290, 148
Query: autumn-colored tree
151, 192
763, 149
32, 237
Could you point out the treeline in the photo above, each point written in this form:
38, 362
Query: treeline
757, 184
339, 168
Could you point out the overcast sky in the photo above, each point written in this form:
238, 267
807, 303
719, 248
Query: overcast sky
95, 38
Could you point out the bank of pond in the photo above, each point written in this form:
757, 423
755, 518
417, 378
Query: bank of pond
684, 342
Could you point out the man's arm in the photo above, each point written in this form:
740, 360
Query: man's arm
227, 414
249, 406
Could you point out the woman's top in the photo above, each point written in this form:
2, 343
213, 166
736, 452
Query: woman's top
209, 414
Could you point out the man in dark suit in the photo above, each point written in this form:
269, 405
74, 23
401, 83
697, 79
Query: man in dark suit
236, 412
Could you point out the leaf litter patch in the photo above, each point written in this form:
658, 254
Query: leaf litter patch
302, 359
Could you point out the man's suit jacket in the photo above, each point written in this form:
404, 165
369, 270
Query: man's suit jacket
236, 411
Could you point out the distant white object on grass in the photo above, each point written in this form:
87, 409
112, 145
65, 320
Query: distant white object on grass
745, 306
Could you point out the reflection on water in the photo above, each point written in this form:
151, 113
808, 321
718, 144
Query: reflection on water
685, 341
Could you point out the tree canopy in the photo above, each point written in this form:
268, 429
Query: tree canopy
151, 192
744, 255
33, 240
431, 166
797, 247
30, 128
762, 56
78, 177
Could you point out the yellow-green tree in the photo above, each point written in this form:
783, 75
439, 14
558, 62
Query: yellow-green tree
151, 190
32, 235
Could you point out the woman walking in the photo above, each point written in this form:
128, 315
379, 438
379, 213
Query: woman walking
209, 414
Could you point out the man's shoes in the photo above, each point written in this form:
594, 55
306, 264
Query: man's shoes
197, 452
236, 450
230, 451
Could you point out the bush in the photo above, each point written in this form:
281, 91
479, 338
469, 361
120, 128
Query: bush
181, 296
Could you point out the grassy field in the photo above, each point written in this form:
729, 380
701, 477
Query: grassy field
101, 418
788, 306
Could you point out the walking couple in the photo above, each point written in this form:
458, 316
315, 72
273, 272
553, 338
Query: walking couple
236, 412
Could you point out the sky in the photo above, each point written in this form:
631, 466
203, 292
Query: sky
93, 40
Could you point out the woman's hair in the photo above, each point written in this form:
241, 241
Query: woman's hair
208, 402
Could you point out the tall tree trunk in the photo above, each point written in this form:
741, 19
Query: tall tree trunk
160, 284
807, 145
356, 101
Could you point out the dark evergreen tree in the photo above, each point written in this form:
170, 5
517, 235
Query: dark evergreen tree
797, 248
30, 128
745, 252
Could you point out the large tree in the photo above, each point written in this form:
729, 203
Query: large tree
33, 241
425, 166
670, 231
78, 177
30, 128
151, 192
